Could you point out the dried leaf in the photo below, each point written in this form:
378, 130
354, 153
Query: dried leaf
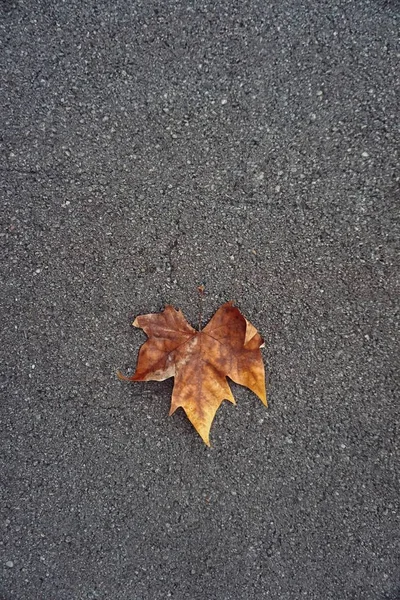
200, 361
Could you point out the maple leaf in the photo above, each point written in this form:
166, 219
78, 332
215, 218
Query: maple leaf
200, 361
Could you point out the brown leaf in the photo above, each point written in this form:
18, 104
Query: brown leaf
200, 361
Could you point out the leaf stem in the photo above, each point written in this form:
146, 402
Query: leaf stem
200, 289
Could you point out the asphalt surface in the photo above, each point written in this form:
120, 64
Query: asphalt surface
148, 148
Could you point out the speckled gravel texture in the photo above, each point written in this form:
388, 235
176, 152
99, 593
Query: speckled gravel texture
150, 147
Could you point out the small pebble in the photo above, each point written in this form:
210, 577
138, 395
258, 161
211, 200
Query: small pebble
9, 564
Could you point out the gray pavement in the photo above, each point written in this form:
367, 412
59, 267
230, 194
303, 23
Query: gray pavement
148, 148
